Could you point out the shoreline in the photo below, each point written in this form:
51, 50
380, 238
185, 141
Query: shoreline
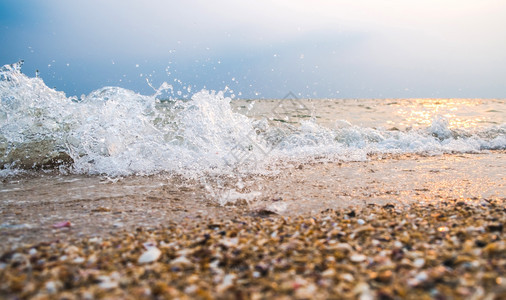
97, 206
401, 227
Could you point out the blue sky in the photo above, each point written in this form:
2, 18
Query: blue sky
263, 49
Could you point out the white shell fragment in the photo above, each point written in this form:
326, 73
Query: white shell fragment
419, 262
150, 255
182, 260
358, 257
107, 282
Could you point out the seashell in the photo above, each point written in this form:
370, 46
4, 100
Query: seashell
62, 224
358, 257
347, 277
306, 292
364, 228
343, 247
181, 260
364, 291
106, 282
51, 287
149, 256
226, 284
78, 260
329, 273
443, 229
419, 262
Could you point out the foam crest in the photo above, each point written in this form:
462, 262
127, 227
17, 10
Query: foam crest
32, 117
116, 131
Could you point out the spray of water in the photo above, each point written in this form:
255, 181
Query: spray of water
115, 131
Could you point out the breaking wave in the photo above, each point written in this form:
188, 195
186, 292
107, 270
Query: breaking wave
116, 131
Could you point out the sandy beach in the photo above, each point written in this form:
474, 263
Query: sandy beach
392, 227
252, 150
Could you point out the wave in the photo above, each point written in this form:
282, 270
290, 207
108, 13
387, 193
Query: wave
116, 131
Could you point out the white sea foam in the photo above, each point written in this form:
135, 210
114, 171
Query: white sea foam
115, 131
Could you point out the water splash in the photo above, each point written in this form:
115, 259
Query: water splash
116, 131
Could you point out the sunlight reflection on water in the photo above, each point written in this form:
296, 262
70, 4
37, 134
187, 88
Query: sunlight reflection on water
392, 113
460, 113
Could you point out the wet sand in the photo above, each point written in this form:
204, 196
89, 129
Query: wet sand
100, 206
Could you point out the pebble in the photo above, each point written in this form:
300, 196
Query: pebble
358, 257
51, 287
181, 260
347, 277
226, 284
152, 254
78, 260
363, 291
106, 282
191, 289
419, 262
329, 273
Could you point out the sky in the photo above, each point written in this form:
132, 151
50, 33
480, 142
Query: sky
263, 49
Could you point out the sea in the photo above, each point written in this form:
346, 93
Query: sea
216, 140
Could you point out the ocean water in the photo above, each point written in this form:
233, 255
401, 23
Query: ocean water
117, 132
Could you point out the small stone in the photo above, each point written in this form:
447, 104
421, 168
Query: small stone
51, 287
494, 248
106, 282
385, 276
229, 242
364, 228
95, 240
343, 247
306, 292
347, 277
71, 250
418, 279
329, 273
443, 229
191, 289
63, 224
398, 244
358, 257
78, 260
181, 260
419, 262
151, 255
228, 281
101, 209
363, 291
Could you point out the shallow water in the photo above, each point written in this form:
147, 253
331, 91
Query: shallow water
101, 206
397, 114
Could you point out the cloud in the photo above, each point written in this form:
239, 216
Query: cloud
362, 48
